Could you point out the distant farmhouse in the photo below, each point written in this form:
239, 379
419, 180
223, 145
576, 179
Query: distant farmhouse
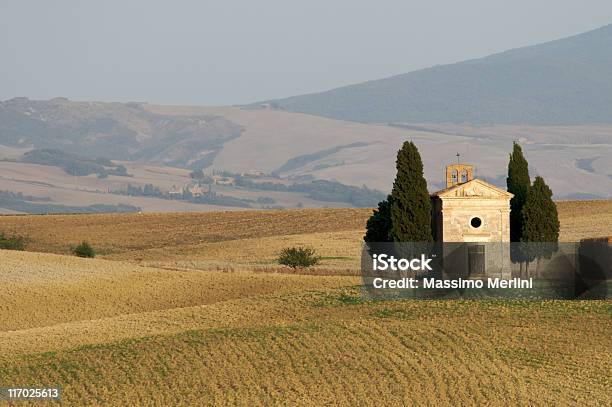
253, 174
196, 190
223, 180
175, 191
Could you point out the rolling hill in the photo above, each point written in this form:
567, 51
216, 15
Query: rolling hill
241, 237
572, 159
145, 325
121, 131
296, 147
566, 81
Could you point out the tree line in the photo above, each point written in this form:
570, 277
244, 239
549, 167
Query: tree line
74, 164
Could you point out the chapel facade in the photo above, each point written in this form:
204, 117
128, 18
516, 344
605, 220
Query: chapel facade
470, 209
472, 218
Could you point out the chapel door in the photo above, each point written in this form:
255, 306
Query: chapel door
476, 260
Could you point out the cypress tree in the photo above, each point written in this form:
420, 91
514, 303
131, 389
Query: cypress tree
411, 206
378, 227
540, 218
518, 182
540, 221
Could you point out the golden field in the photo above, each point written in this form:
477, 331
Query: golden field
213, 240
190, 309
120, 233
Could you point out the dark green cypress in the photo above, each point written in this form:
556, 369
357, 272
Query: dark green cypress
518, 182
540, 218
540, 222
378, 227
411, 206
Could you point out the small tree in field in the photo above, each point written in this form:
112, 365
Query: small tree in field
298, 257
84, 249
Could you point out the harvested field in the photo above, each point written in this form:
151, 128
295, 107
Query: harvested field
153, 323
114, 234
583, 219
322, 346
46, 289
340, 251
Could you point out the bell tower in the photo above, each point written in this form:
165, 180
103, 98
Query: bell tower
458, 174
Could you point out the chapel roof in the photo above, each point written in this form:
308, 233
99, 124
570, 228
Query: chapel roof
473, 188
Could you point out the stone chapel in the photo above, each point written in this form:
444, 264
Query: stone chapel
472, 218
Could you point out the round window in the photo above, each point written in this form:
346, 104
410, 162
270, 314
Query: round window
476, 222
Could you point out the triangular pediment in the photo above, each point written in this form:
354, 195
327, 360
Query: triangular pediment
474, 188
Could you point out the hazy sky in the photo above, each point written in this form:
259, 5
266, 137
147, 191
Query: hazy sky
232, 52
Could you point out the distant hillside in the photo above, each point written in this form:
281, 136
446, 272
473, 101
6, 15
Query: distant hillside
300, 147
567, 81
149, 144
124, 131
74, 164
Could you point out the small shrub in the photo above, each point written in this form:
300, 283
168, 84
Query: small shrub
298, 257
84, 250
12, 243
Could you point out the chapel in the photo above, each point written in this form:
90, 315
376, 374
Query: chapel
472, 218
